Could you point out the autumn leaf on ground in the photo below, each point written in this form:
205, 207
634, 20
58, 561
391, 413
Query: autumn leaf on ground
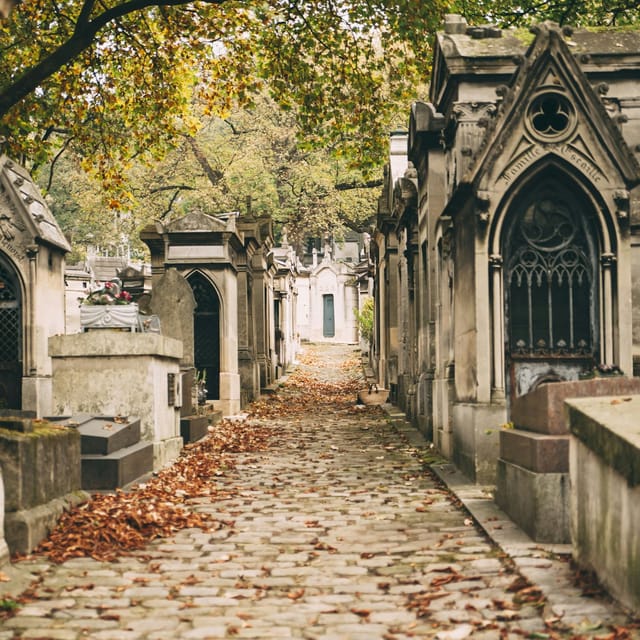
421, 602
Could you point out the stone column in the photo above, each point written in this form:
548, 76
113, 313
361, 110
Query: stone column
495, 262
32, 254
607, 261
229, 376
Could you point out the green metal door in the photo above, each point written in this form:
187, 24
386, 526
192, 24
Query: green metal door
328, 318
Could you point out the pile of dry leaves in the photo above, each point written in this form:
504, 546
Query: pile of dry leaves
109, 525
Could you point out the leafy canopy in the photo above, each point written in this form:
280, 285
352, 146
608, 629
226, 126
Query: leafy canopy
117, 80
123, 83
249, 159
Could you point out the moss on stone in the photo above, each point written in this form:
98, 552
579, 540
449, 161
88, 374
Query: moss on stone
41, 430
616, 451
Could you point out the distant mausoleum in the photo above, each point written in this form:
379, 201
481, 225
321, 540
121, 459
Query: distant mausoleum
332, 282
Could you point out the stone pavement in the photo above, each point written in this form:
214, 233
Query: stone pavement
340, 533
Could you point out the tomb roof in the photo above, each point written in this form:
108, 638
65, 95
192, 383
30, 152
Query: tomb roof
29, 204
489, 41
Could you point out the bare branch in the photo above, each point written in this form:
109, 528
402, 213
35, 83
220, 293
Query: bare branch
52, 167
214, 175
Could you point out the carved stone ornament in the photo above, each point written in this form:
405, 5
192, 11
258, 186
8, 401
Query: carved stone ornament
621, 198
483, 200
551, 117
109, 316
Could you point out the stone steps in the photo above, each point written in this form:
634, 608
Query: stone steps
117, 469
112, 454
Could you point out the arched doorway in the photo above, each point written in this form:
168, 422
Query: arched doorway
10, 338
550, 287
206, 333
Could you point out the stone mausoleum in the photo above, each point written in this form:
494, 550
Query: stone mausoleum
32, 250
507, 236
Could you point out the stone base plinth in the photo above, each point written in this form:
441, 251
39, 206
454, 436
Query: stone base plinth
537, 502
166, 451
193, 428
532, 483
542, 409
537, 452
229, 402
475, 439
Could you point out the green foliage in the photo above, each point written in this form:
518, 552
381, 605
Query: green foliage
364, 318
564, 12
252, 152
120, 85
8, 605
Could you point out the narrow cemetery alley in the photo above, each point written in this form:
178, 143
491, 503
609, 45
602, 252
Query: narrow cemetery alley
311, 518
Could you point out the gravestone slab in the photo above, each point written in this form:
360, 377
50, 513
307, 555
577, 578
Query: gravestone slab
172, 300
41, 477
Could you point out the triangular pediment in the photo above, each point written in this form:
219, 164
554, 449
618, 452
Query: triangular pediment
550, 108
197, 221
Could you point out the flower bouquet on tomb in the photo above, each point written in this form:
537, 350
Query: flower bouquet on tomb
109, 307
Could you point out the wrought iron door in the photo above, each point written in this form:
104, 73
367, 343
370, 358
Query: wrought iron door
550, 280
206, 333
10, 340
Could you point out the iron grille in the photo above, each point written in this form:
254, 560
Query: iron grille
9, 317
550, 284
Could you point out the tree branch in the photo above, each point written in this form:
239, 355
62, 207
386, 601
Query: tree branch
171, 187
212, 174
55, 159
81, 39
370, 184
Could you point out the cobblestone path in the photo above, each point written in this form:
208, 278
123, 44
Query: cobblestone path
339, 534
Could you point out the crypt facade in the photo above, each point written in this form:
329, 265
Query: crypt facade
506, 242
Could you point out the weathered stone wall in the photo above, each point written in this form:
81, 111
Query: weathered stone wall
41, 472
605, 491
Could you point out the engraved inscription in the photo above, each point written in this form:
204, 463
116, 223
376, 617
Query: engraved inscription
566, 151
521, 163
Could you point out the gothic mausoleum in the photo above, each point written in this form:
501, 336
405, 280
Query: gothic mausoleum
507, 239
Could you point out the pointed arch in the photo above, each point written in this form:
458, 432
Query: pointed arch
11, 336
553, 279
206, 331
